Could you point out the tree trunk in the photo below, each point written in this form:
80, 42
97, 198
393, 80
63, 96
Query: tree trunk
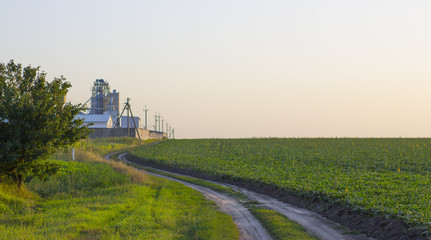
18, 179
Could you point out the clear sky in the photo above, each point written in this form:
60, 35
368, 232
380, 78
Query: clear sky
240, 68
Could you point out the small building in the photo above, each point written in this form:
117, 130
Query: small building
97, 120
131, 123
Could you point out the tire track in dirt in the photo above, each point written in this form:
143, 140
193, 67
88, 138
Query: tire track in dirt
248, 226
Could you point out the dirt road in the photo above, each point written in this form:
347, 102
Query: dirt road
314, 223
250, 228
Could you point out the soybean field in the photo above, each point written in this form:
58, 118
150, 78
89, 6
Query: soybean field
388, 177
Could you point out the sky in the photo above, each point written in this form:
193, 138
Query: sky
239, 68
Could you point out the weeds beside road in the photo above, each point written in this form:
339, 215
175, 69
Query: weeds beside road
93, 198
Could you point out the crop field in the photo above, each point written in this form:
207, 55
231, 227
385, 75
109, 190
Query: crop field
389, 177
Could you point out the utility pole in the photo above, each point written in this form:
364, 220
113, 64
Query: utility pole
159, 122
162, 124
128, 129
146, 110
155, 121
167, 129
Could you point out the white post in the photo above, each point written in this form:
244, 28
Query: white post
73, 154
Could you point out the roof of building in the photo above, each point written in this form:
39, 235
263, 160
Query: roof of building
125, 117
94, 117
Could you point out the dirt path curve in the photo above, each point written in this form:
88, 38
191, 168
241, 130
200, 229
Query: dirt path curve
314, 223
248, 226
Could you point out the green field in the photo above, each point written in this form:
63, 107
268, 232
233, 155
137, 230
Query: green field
387, 177
98, 199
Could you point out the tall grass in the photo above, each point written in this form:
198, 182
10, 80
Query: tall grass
14, 199
93, 198
78, 177
135, 175
106, 145
92, 150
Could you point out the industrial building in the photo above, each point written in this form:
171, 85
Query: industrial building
132, 122
102, 99
97, 120
104, 115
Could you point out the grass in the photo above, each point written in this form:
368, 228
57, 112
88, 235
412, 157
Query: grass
279, 226
164, 211
98, 199
101, 146
216, 187
13, 200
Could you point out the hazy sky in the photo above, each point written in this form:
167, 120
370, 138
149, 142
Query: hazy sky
240, 68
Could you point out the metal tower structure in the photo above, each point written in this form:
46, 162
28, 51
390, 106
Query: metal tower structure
100, 97
128, 107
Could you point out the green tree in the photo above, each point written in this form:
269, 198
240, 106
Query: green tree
35, 121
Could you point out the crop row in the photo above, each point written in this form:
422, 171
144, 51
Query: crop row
378, 176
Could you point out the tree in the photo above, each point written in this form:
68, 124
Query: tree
35, 121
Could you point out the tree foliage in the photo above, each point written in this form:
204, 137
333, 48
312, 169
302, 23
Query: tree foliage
35, 121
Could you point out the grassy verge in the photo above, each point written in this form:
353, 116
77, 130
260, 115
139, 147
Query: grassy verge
278, 226
229, 191
98, 199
